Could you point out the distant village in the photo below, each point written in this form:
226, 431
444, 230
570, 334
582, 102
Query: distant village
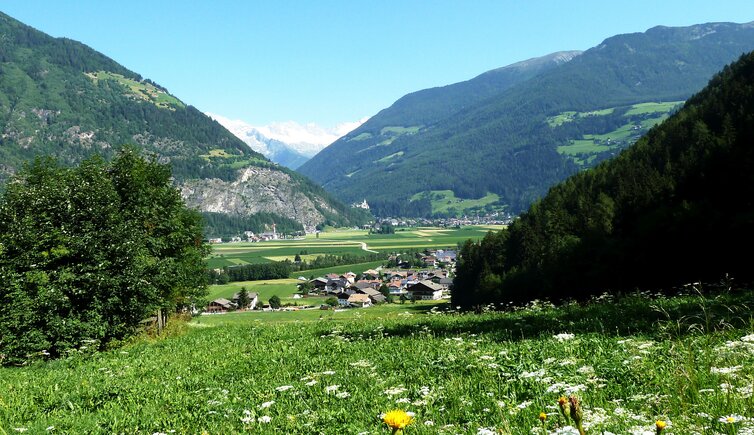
374, 286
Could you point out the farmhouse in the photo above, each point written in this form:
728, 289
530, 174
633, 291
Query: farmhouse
375, 296
253, 300
220, 305
359, 300
320, 284
425, 290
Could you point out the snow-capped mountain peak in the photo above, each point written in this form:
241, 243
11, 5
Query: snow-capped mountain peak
288, 143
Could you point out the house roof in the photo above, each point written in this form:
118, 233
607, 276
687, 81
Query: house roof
379, 297
358, 298
371, 292
364, 284
222, 302
425, 285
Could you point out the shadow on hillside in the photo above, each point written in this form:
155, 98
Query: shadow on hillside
653, 317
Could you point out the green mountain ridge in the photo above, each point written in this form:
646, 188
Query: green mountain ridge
675, 208
59, 97
502, 144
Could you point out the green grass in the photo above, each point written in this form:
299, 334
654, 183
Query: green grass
362, 136
400, 130
644, 108
631, 361
582, 147
390, 157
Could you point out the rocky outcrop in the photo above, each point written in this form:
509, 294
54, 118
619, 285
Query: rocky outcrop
256, 190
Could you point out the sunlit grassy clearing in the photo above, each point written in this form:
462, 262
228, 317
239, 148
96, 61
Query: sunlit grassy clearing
632, 361
400, 130
583, 147
663, 107
390, 157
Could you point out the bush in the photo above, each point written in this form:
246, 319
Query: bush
87, 253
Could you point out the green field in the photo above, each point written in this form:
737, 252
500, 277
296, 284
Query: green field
688, 361
390, 157
397, 130
339, 242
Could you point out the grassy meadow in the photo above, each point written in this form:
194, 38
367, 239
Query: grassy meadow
688, 361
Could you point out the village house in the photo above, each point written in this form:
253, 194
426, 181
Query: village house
425, 290
359, 300
319, 284
370, 274
348, 276
337, 285
343, 299
374, 295
220, 305
253, 301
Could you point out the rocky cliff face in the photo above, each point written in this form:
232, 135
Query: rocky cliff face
256, 190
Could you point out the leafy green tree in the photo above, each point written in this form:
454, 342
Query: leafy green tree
306, 288
243, 299
332, 301
87, 253
384, 289
275, 302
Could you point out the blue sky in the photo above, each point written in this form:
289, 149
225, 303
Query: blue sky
329, 61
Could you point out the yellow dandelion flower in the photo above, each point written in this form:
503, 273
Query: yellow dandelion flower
660, 425
397, 419
542, 416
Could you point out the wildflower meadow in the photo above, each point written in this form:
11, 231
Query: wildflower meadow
638, 364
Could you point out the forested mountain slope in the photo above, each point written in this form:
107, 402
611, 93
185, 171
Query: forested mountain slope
518, 142
675, 208
59, 97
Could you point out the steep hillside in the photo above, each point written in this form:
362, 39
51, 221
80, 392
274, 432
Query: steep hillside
676, 207
59, 97
519, 141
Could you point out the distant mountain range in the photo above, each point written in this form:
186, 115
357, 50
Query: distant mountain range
59, 97
500, 140
287, 143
